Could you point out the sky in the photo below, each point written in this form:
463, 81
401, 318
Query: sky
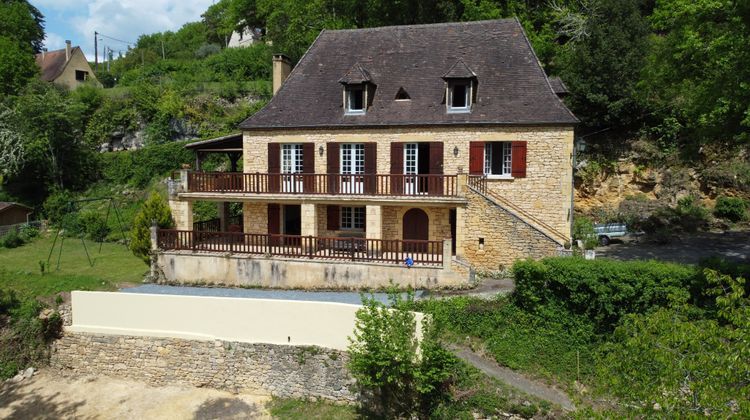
124, 20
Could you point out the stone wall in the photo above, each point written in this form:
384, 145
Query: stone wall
544, 192
506, 238
278, 370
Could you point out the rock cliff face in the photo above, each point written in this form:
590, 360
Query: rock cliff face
180, 129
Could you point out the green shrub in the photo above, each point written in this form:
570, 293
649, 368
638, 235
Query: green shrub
28, 233
11, 239
139, 167
731, 208
25, 335
385, 361
154, 209
57, 205
583, 230
94, 226
603, 290
671, 365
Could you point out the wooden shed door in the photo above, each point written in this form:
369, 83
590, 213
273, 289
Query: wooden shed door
416, 226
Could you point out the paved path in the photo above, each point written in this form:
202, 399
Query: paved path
513, 378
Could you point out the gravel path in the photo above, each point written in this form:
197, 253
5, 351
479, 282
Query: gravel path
49, 396
513, 378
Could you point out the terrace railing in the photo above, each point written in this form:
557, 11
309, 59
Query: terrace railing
334, 184
389, 251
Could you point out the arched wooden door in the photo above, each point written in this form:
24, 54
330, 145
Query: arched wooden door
416, 226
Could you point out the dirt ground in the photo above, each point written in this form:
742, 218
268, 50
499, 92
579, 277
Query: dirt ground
687, 249
50, 396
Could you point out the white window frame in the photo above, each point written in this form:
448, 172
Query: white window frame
292, 159
352, 218
348, 92
468, 92
411, 159
352, 167
507, 164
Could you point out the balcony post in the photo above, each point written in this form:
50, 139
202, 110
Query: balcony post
461, 180
447, 254
309, 215
374, 227
182, 213
460, 231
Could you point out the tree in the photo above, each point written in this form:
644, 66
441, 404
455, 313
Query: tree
12, 152
700, 67
22, 23
402, 376
17, 66
603, 66
156, 209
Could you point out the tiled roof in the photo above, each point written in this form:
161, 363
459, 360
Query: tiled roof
4, 205
512, 88
53, 63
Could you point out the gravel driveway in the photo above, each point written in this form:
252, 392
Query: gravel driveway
687, 249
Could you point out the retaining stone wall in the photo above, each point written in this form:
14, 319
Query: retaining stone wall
278, 370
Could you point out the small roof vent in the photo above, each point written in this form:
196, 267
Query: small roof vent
402, 95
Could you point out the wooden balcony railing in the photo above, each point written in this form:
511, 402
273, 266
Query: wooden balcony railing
334, 184
389, 251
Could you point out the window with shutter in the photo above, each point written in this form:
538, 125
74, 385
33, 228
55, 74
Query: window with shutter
476, 158
332, 219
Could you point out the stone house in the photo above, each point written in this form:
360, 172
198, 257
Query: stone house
67, 67
441, 145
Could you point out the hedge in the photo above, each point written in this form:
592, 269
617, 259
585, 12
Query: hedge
138, 167
603, 290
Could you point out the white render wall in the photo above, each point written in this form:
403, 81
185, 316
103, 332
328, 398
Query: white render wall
283, 322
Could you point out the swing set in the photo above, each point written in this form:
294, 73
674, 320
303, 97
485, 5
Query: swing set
73, 208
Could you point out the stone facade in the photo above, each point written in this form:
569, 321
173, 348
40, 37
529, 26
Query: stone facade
182, 213
494, 238
278, 370
544, 192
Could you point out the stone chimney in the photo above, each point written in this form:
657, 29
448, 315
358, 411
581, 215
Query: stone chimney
67, 50
282, 66
44, 52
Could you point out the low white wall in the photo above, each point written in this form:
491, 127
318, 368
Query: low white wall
324, 324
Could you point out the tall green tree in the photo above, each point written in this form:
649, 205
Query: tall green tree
17, 66
23, 23
699, 72
603, 66
155, 209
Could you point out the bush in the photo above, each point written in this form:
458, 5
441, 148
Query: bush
57, 206
583, 230
28, 233
94, 226
385, 361
731, 208
139, 167
11, 240
25, 335
154, 209
602, 290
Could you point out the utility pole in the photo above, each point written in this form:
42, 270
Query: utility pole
163, 56
96, 51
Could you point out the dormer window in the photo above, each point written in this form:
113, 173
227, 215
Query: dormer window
460, 87
358, 90
459, 96
355, 99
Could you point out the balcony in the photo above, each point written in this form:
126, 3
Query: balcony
323, 184
421, 253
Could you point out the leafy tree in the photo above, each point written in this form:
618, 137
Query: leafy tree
699, 70
22, 23
602, 68
401, 374
12, 152
155, 208
17, 66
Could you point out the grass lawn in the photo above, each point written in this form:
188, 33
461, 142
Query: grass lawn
293, 409
20, 267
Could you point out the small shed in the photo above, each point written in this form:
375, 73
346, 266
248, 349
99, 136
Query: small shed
14, 213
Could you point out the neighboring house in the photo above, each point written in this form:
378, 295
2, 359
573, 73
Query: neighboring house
67, 67
441, 144
244, 38
14, 213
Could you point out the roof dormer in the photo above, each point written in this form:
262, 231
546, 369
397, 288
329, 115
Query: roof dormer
460, 89
358, 90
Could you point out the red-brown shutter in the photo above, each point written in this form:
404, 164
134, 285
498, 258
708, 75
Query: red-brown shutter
371, 161
274, 167
332, 217
518, 159
332, 167
435, 183
476, 158
308, 167
397, 168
